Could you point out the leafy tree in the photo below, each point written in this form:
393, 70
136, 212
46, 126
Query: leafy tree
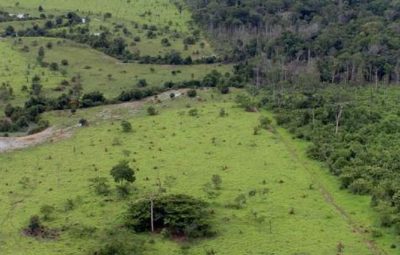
123, 173
126, 126
178, 215
151, 110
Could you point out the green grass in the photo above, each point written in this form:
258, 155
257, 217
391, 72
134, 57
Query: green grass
18, 70
170, 23
18, 67
162, 11
180, 147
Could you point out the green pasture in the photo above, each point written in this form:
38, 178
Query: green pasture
285, 212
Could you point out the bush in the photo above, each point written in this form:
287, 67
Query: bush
47, 211
178, 215
122, 172
224, 89
192, 93
193, 112
216, 181
151, 111
265, 122
37, 229
91, 99
222, 113
100, 186
142, 83
246, 103
118, 242
83, 123
54, 66
126, 126
360, 186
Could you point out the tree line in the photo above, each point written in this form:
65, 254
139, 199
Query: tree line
330, 41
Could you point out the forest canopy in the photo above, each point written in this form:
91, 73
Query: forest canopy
337, 41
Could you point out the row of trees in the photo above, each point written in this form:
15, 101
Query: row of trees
355, 132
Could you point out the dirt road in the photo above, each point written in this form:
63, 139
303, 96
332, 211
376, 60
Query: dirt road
52, 134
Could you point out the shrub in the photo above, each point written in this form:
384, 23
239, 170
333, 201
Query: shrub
118, 242
246, 103
122, 172
126, 126
239, 202
37, 229
193, 112
83, 123
224, 89
100, 186
151, 111
216, 181
178, 215
54, 66
222, 113
94, 98
47, 211
192, 93
265, 122
360, 186
142, 83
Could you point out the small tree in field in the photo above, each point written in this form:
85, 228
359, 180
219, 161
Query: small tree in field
151, 111
126, 126
124, 176
123, 173
192, 93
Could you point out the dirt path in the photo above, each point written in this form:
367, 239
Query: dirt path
360, 230
52, 134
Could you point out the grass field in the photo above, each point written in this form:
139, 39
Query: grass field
171, 23
18, 68
184, 152
293, 206
159, 12
95, 67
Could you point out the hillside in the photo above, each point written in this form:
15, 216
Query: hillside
297, 41
138, 127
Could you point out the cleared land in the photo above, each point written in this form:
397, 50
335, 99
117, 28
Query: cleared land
289, 205
282, 215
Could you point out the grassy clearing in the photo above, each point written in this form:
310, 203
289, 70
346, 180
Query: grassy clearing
17, 70
18, 67
135, 16
160, 12
184, 152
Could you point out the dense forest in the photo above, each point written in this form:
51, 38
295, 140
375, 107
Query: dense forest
330, 41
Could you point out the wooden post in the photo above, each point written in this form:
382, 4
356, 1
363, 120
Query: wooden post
152, 213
